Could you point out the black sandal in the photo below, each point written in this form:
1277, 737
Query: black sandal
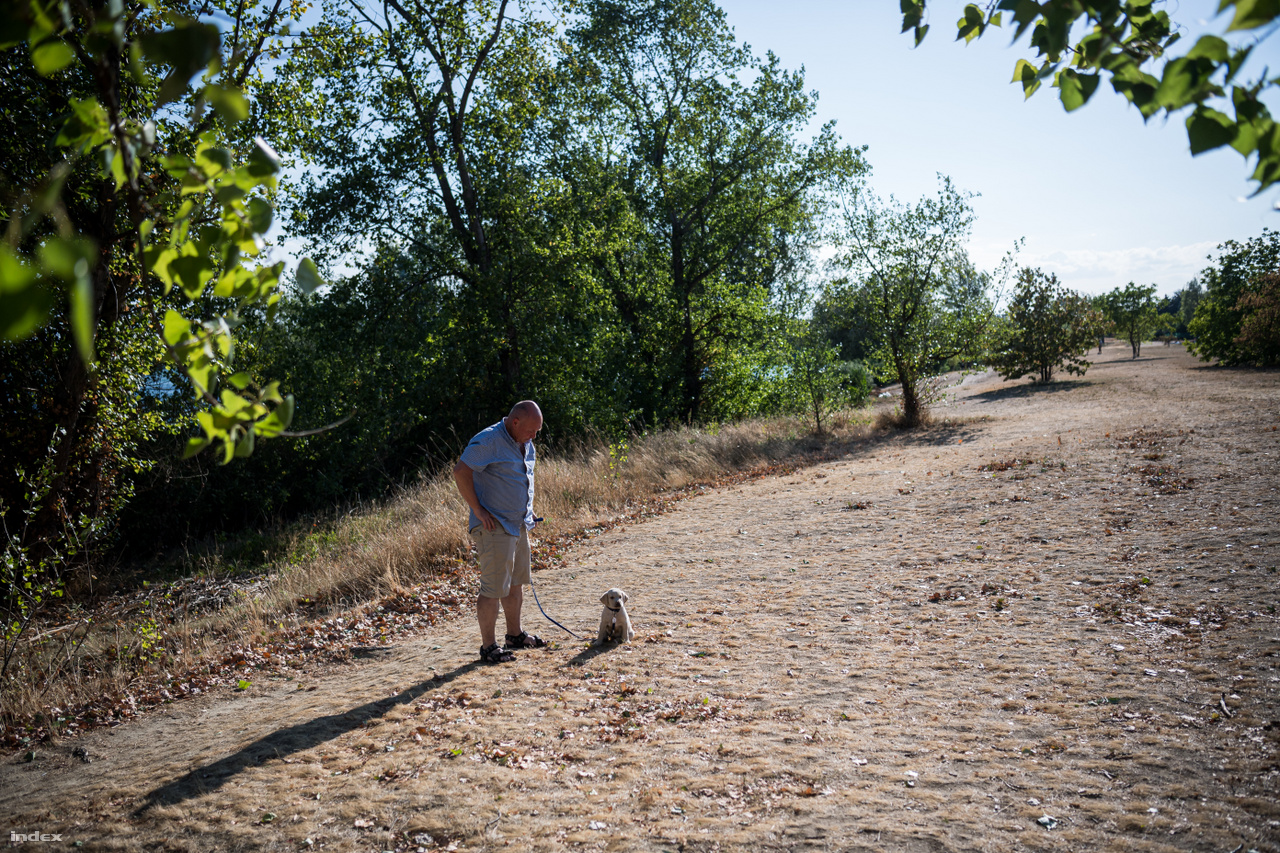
524, 640
495, 654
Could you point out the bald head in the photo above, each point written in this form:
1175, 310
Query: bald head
525, 409
524, 421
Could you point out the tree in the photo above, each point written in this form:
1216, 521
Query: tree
727, 196
1188, 299
905, 264
1216, 324
131, 238
1048, 327
819, 381
1259, 337
433, 133
1134, 312
1078, 43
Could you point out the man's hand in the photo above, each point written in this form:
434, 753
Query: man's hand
465, 478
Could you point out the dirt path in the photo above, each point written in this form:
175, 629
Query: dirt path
1050, 627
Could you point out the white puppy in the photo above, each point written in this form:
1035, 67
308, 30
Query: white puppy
614, 621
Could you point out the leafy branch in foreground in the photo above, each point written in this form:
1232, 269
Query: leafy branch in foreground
1124, 41
178, 222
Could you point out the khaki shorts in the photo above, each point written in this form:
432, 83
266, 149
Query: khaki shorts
503, 558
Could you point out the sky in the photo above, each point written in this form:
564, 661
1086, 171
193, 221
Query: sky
1099, 197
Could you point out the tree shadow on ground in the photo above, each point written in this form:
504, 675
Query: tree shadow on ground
1031, 389
288, 741
936, 433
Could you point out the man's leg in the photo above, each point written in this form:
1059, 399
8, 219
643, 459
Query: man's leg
495, 552
510, 610
487, 613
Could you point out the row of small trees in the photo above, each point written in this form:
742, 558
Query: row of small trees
911, 306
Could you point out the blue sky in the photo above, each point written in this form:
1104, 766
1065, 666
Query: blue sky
1100, 198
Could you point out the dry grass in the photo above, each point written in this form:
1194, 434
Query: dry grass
316, 570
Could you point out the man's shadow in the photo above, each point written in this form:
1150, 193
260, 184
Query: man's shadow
287, 741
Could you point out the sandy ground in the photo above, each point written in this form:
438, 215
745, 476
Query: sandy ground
1047, 625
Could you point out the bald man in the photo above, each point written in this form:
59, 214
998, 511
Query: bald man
495, 478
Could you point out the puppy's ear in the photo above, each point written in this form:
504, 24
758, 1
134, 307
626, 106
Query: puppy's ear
623, 595
604, 599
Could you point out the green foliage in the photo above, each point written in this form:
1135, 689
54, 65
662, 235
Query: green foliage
1220, 315
819, 382
1188, 300
1047, 327
130, 241
724, 194
1259, 336
191, 218
908, 271
1133, 312
33, 574
1128, 42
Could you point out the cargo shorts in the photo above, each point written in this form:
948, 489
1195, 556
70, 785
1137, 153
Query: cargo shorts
503, 559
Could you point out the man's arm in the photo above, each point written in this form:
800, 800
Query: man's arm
465, 478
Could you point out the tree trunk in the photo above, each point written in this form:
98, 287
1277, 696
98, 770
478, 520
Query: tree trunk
912, 409
691, 403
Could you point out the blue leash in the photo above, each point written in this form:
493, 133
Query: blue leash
544, 613
539, 603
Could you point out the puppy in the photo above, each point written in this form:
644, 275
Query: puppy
615, 624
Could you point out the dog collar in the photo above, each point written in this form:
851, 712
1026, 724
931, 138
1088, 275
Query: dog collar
614, 609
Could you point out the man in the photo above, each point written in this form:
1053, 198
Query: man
495, 478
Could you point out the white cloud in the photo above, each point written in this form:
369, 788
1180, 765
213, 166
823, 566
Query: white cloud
1099, 270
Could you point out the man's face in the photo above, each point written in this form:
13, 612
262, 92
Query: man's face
524, 429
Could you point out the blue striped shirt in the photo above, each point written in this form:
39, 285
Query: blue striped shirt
503, 475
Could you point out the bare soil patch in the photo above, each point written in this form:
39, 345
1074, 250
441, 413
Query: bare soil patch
1048, 623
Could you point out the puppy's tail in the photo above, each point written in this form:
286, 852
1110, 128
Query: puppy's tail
544, 613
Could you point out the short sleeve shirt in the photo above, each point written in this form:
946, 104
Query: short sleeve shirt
503, 475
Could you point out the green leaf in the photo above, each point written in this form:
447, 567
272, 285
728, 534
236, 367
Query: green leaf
971, 25
1251, 14
194, 446
230, 104
82, 315
51, 57
187, 49
1026, 74
912, 13
279, 419
24, 304
72, 261
1208, 129
263, 160
176, 327
244, 447
1247, 134
260, 214
87, 127
1074, 89
192, 273
309, 276
115, 164
1210, 47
